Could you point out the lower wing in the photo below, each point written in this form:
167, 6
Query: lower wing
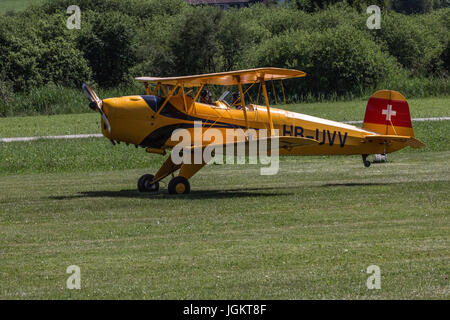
284, 142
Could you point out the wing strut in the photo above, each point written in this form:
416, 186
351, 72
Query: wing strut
282, 89
196, 97
165, 101
244, 108
184, 97
263, 83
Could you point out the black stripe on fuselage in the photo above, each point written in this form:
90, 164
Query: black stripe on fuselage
155, 102
158, 137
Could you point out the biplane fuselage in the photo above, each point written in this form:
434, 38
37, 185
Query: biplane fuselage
131, 122
150, 120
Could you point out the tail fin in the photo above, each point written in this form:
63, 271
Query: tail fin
387, 113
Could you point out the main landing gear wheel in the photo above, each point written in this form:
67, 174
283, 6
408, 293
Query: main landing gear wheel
179, 185
145, 185
366, 162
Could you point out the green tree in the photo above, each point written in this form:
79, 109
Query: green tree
195, 46
232, 37
108, 44
415, 44
416, 6
337, 60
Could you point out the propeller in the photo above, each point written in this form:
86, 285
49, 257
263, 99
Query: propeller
95, 103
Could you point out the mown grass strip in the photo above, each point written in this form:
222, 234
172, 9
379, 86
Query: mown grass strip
309, 232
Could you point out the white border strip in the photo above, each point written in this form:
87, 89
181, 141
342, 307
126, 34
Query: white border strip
85, 136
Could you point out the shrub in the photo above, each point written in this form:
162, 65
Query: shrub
413, 43
311, 5
35, 51
233, 39
337, 61
144, 9
124, 38
6, 95
195, 46
19, 55
107, 41
417, 6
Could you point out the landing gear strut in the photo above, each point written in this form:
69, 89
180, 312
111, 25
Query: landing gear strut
365, 161
177, 185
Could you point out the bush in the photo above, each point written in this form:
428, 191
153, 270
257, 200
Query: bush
62, 63
312, 5
107, 41
6, 93
124, 38
154, 55
49, 99
233, 39
19, 55
417, 6
415, 45
54, 99
337, 61
416, 86
195, 45
143, 9
279, 20
35, 51
438, 23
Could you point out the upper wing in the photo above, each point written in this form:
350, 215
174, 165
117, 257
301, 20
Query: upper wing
410, 141
228, 78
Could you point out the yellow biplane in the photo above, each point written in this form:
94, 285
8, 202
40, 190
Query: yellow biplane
175, 103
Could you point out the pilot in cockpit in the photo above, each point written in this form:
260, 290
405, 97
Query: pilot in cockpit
206, 96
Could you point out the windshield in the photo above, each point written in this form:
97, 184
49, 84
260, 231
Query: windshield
227, 98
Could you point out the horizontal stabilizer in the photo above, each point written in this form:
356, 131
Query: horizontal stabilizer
410, 141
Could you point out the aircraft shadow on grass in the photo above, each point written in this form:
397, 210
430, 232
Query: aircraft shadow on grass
197, 194
355, 184
207, 194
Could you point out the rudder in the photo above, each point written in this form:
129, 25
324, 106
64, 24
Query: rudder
387, 113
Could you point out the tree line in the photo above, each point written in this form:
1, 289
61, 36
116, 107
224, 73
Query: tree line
329, 40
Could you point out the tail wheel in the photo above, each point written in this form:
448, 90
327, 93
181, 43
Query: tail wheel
145, 185
365, 161
179, 185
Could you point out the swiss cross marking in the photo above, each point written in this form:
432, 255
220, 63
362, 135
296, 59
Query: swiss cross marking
389, 112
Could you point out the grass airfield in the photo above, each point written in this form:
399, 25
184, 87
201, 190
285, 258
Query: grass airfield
309, 232
16, 5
